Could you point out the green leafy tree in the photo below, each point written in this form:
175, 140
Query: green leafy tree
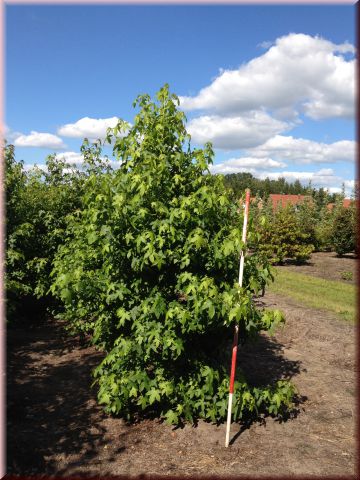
283, 236
307, 215
343, 234
324, 229
37, 203
15, 180
149, 270
238, 182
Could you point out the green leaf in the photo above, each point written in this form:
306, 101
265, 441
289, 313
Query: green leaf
92, 237
133, 392
154, 395
172, 418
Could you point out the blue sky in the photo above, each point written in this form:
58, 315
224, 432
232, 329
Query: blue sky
270, 86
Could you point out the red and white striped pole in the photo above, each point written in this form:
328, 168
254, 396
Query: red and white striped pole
236, 333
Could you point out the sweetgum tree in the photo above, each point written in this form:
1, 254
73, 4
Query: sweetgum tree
150, 272
37, 203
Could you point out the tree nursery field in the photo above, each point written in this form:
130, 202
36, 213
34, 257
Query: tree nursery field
123, 292
55, 425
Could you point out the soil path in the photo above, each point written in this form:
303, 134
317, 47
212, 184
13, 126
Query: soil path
56, 427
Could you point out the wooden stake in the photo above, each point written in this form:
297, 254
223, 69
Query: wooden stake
236, 333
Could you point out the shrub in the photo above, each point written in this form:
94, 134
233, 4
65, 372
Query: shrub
347, 275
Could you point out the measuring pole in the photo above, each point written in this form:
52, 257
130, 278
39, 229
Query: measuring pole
236, 333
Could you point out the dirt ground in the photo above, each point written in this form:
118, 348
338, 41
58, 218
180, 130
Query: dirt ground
329, 266
56, 428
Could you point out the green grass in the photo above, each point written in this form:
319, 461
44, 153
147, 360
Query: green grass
330, 295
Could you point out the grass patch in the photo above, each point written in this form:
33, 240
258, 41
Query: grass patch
336, 297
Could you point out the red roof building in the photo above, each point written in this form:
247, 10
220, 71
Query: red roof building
280, 201
346, 203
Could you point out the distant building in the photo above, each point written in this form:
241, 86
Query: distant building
280, 201
346, 203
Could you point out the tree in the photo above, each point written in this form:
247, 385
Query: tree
37, 203
307, 215
323, 229
282, 235
149, 271
15, 180
343, 233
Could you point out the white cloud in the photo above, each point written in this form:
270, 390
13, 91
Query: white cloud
40, 140
298, 73
349, 183
245, 164
335, 189
229, 133
72, 158
10, 135
30, 166
88, 127
303, 151
266, 44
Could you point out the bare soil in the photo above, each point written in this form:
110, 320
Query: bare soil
329, 266
55, 426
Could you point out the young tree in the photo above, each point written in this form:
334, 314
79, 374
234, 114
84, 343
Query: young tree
282, 235
15, 181
37, 203
343, 234
324, 229
150, 270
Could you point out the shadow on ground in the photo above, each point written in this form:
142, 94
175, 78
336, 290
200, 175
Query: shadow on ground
52, 414
51, 409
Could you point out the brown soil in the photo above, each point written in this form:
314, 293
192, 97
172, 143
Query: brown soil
55, 426
329, 266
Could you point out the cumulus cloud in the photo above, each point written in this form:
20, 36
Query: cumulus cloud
299, 73
245, 164
303, 151
230, 133
40, 140
88, 127
72, 158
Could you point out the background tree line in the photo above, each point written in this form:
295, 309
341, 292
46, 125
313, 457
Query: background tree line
38, 203
238, 182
